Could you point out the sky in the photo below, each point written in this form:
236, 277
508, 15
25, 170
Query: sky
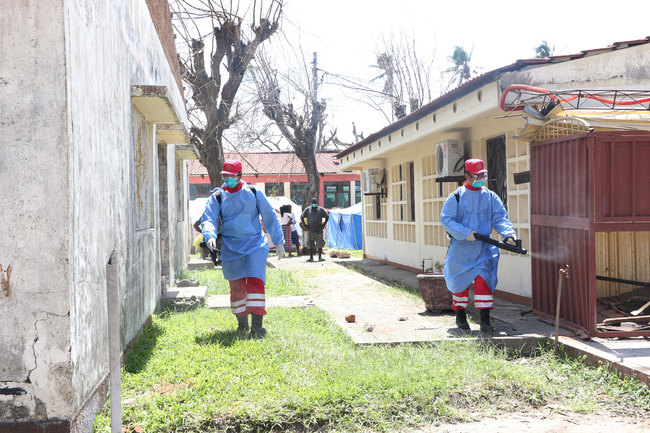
347, 34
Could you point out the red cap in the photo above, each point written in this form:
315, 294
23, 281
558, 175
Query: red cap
231, 166
475, 166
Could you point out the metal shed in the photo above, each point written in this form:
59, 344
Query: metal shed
590, 209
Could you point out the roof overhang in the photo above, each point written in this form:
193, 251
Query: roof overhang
186, 151
449, 119
154, 104
172, 134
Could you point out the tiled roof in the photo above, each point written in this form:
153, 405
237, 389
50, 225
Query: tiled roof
479, 81
269, 163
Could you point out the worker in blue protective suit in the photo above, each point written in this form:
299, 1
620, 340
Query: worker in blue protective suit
235, 208
473, 208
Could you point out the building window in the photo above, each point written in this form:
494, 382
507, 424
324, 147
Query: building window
274, 189
357, 191
496, 165
200, 190
297, 191
337, 194
403, 188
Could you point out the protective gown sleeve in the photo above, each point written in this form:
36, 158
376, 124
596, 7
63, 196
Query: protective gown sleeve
500, 221
269, 218
210, 218
448, 219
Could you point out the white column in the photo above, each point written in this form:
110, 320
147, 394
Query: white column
287, 190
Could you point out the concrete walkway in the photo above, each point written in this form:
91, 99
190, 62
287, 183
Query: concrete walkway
384, 315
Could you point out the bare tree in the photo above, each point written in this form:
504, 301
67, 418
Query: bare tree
406, 75
232, 39
302, 124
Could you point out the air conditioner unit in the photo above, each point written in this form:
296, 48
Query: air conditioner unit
449, 158
373, 179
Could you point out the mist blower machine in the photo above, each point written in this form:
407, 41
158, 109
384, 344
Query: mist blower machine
504, 245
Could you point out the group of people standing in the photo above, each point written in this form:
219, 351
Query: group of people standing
234, 211
313, 221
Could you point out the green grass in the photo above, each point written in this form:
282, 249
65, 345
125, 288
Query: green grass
191, 372
279, 282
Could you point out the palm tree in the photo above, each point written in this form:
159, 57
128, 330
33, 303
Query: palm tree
544, 50
461, 71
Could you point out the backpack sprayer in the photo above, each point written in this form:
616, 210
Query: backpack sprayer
504, 245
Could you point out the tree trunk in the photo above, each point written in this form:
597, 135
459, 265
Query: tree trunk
313, 179
212, 155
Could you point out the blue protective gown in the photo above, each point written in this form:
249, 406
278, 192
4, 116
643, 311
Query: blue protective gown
244, 248
480, 211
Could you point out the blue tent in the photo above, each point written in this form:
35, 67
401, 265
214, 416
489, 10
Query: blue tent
344, 228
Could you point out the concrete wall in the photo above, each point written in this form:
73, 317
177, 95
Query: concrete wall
34, 234
623, 69
80, 181
179, 228
184, 231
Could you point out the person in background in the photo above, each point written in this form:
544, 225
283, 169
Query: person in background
473, 208
244, 248
287, 220
315, 219
295, 239
205, 252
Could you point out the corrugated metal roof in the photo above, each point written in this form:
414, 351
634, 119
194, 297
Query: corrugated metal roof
270, 163
479, 81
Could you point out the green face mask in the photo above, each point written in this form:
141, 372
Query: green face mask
478, 183
231, 182
314, 205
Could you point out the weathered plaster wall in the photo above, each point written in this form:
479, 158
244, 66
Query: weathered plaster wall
80, 180
160, 14
35, 363
164, 154
111, 45
622, 69
180, 229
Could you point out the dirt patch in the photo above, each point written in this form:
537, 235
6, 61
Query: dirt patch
544, 422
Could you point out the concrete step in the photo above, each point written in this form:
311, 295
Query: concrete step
202, 264
184, 298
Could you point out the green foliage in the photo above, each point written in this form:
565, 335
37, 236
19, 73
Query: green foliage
544, 50
461, 71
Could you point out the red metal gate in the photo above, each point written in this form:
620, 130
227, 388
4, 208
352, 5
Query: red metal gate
580, 185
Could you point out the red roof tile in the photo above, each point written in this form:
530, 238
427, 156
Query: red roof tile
268, 163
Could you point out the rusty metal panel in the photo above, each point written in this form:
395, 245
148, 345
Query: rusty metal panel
559, 177
581, 185
622, 176
561, 229
554, 248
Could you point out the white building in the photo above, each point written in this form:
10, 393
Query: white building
401, 216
